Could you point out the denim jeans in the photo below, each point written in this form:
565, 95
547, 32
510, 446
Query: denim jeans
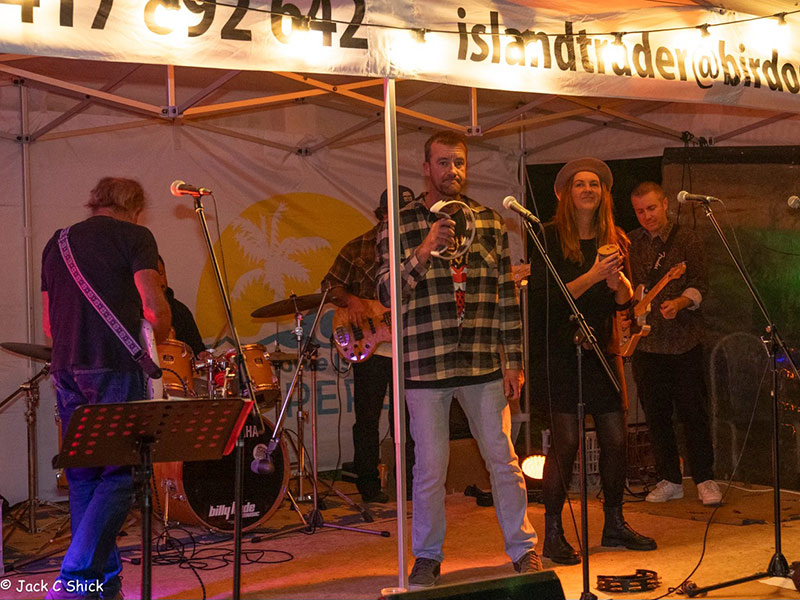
490, 423
99, 497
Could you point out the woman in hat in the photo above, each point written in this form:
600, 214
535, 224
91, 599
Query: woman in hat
588, 251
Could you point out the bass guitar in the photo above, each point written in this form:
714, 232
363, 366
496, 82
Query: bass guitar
631, 331
357, 341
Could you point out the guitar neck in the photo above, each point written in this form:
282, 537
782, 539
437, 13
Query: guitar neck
642, 305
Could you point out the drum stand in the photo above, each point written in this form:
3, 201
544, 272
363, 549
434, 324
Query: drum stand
31, 391
314, 519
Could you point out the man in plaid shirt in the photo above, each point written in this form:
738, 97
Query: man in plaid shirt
351, 280
457, 318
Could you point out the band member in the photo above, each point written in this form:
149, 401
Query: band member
90, 366
583, 223
457, 315
183, 327
668, 363
351, 279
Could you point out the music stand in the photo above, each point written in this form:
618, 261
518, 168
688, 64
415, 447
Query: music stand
141, 433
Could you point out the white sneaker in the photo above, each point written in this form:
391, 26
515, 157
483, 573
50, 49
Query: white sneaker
666, 490
709, 493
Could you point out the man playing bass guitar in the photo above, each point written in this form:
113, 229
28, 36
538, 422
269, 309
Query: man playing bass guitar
351, 280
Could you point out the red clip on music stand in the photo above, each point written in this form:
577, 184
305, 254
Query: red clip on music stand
141, 433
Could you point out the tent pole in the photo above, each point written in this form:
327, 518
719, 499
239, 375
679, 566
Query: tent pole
526, 396
398, 381
26, 211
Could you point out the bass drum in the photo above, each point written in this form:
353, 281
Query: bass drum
201, 492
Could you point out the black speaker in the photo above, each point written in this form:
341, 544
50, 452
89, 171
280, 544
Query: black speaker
543, 585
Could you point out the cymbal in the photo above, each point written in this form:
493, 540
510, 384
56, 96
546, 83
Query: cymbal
282, 356
288, 306
34, 351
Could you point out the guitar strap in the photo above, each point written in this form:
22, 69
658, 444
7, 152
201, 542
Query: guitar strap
659, 263
131, 345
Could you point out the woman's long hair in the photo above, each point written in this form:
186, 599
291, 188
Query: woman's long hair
603, 224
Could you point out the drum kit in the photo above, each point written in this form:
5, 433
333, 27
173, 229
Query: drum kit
216, 376
201, 492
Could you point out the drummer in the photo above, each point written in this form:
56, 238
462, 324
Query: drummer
184, 327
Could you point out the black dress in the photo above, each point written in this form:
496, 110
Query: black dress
552, 333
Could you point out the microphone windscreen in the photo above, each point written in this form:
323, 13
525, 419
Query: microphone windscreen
175, 187
793, 202
508, 201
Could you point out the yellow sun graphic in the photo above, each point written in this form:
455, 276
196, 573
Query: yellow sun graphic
278, 246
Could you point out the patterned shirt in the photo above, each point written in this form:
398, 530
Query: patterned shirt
437, 350
685, 331
356, 268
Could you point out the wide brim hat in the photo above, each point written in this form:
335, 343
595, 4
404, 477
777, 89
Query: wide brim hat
593, 165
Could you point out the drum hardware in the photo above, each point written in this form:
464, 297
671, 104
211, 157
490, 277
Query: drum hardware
30, 389
265, 463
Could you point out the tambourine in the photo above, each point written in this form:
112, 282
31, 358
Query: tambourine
464, 218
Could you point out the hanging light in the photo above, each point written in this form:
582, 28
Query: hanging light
704, 30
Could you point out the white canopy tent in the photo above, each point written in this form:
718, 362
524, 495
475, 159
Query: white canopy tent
87, 91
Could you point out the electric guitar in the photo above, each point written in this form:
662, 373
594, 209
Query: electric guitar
357, 341
147, 340
627, 338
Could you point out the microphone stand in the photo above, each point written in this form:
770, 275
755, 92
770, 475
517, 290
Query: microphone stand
244, 383
584, 335
778, 565
314, 519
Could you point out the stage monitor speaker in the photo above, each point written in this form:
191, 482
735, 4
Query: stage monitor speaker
543, 585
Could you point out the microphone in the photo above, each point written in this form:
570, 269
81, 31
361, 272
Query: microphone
685, 197
262, 461
793, 202
181, 188
510, 203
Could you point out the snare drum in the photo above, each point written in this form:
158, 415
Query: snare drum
201, 492
175, 360
265, 384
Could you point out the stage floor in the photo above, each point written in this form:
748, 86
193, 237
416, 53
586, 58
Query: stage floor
333, 563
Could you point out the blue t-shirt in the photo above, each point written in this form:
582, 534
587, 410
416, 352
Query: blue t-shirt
108, 252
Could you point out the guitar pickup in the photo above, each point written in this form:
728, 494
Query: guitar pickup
358, 333
342, 337
372, 328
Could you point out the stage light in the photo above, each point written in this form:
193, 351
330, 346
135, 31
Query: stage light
533, 471
169, 16
616, 51
704, 30
409, 49
533, 466
781, 17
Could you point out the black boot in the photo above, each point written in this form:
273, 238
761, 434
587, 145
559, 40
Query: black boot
556, 547
617, 532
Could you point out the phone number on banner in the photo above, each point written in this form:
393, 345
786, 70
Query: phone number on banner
319, 17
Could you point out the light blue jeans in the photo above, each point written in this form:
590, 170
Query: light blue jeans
490, 422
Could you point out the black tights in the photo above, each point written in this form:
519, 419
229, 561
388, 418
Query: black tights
610, 428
